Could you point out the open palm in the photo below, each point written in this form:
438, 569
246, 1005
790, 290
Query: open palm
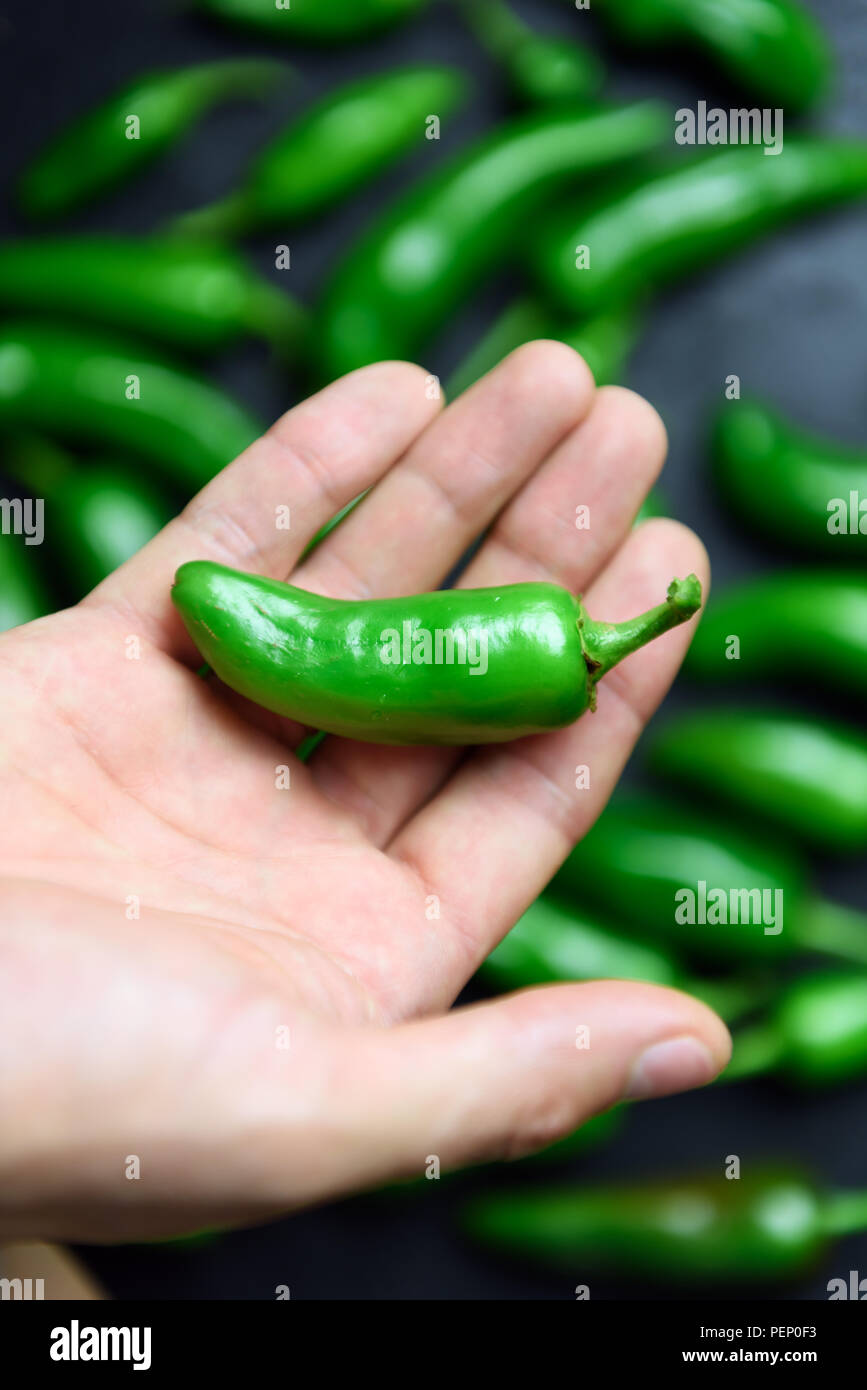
224, 973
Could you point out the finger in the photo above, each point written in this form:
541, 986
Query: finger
312, 461
498, 1080
605, 466
496, 834
571, 516
415, 526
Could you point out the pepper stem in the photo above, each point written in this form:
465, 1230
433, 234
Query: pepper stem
731, 999
756, 1050
604, 644
227, 217
833, 930
844, 1213
279, 319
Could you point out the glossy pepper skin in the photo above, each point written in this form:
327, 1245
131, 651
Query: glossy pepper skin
196, 297
768, 1224
645, 850
659, 226
815, 1035
804, 776
75, 384
776, 619
96, 516
314, 21
95, 152
332, 149
553, 944
541, 69
605, 342
808, 495
401, 281
773, 48
23, 597
537, 654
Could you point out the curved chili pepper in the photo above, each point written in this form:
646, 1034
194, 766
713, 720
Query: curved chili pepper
22, 593
819, 488
605, 342
197, 297
774, 48
541, 69
96, 517
82, 386
645, 860
103, 147
332, 149
763, 626
806, 777
321, 21
662, 225
399, 670
553, 944
769, 1223
399, 284
816, 1033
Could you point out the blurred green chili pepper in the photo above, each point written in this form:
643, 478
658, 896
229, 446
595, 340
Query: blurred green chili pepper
553, 943
804, 492
667, 872
661, 225
775, 48
105, 392
107, 145
430, 250
816, 1033
22, 593
96, 516
332, 149
542, 69
767, 1224
806, 777
604, 342
197, 297
764, 626
320, 21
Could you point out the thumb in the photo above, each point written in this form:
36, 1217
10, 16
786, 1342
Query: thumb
505, 1078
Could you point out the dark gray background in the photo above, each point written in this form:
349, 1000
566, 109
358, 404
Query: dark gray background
787, 317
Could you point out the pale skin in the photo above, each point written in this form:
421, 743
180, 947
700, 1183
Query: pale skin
246, 987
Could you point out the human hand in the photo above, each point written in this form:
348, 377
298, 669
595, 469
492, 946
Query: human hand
244, 986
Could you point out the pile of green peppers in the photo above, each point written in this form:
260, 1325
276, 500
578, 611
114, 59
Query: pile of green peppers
104, 418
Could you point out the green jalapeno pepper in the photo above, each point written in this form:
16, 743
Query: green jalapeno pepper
106, 146
22, 593
554, 944
96, 517
774, 48
83, 386
767, 1224
671, 873
401, 281
806, 777
332, 149
401, 670
664, 224
764, 626
816, 1033
817, 489
319, 21
604, 342
197, 297
541, 69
